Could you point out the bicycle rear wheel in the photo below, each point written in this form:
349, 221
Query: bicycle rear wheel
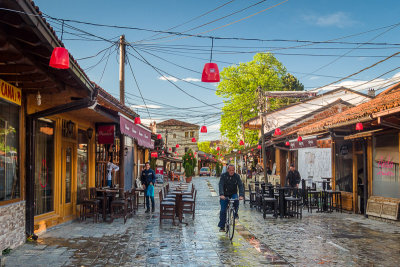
231, 219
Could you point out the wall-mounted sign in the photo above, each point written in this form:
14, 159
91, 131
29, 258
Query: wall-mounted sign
106, 134
10, 92
302, 144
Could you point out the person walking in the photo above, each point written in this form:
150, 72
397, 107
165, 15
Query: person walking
228, 189
111, 167
148, 178
293, 177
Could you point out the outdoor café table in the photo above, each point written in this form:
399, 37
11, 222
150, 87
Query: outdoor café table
179, 203
108, 195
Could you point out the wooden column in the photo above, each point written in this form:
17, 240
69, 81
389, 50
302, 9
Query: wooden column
355, 188
370, 163
333, 160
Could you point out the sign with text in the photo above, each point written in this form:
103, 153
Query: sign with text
138, 133
303, 144
10, 92
105, 134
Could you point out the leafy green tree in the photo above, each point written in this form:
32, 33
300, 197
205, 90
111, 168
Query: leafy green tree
204, 146
238, 87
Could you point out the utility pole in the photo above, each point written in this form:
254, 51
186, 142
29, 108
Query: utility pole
122, 100
261, 101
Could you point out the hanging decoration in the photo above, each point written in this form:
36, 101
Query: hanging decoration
259, 147
241, 143
159, 136
210, 71
194, 140
218, 149
277, 131
359, 126
60, 57
177, 146
287, 143
252, 149
203, 129
299, 138
137, 120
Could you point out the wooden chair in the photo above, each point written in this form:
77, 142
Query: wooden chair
167, 208
191, 195
132, 202
119, 206
89, 207
252, 196
189, 205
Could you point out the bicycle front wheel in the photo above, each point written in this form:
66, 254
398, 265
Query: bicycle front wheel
231, 219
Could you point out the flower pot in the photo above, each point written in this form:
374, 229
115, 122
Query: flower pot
188, 179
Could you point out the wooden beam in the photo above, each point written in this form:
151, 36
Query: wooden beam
381, 121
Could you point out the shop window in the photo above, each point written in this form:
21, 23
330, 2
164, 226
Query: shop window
344, 166
82, 180
385, 180
9, 148
44, 166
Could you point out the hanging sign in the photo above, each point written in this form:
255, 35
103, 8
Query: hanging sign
10, 92
105, 134
304, 143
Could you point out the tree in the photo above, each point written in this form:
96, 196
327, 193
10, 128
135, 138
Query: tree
238, 87
204, 146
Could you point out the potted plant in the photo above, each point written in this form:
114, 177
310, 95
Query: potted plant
189, 163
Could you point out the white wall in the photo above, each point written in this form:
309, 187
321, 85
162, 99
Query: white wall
315, 162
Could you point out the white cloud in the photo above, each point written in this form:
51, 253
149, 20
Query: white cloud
377, 84
191, 79
164, 78
314, 78
338, 19
143, 106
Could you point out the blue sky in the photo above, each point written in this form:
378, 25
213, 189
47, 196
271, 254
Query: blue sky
292, 20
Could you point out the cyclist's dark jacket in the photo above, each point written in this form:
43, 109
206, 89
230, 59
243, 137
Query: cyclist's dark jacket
228, 185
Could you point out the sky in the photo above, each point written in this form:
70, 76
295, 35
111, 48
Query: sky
158, 60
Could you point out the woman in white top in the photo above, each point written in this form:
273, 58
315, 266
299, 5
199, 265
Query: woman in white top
110, 168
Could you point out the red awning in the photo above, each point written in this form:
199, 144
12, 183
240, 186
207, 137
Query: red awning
129, 128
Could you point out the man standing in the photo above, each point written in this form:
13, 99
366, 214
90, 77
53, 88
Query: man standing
228, 188
293, 177
148, 178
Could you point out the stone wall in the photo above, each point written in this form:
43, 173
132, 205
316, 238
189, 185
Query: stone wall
12, 225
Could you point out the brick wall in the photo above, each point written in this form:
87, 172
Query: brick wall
12, 225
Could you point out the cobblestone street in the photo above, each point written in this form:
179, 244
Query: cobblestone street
317, 239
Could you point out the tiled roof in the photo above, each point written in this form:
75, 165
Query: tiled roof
104, 94
388, 99
173, 122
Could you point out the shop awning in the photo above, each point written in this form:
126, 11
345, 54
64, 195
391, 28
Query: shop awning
140, 134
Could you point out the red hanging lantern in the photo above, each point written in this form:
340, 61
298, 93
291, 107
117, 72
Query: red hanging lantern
170, 149
287, 143
239, 152
59, 58
177, 146
203, 129
252, 149
137, 120
194, 140
241, 143
299, 138
210, 73
359, 126
218, 149
259, 147
154, 154
159, 136
277, 131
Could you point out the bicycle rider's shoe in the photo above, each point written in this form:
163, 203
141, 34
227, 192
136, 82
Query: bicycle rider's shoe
222, 229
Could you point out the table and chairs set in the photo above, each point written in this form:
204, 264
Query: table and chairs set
288, 202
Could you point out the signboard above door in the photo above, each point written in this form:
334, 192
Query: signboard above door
303, 144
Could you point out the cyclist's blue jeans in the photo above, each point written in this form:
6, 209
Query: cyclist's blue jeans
224, 205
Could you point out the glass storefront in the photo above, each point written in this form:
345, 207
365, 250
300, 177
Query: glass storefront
82, 161
385, 180
9, 149
344, 166
44, 166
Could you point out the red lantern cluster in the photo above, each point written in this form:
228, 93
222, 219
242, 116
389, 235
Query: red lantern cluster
359, 126
159, 136
277, 131
203, 129
59, 58
137, 120
210, 73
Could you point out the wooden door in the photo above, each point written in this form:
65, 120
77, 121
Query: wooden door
68, 179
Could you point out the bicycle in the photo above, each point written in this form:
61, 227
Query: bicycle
230, 218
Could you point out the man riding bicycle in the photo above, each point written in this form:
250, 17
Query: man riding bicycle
228, 188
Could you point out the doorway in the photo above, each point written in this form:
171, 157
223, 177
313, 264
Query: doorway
68, 178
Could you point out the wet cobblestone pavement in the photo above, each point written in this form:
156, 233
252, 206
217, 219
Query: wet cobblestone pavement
318, 239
